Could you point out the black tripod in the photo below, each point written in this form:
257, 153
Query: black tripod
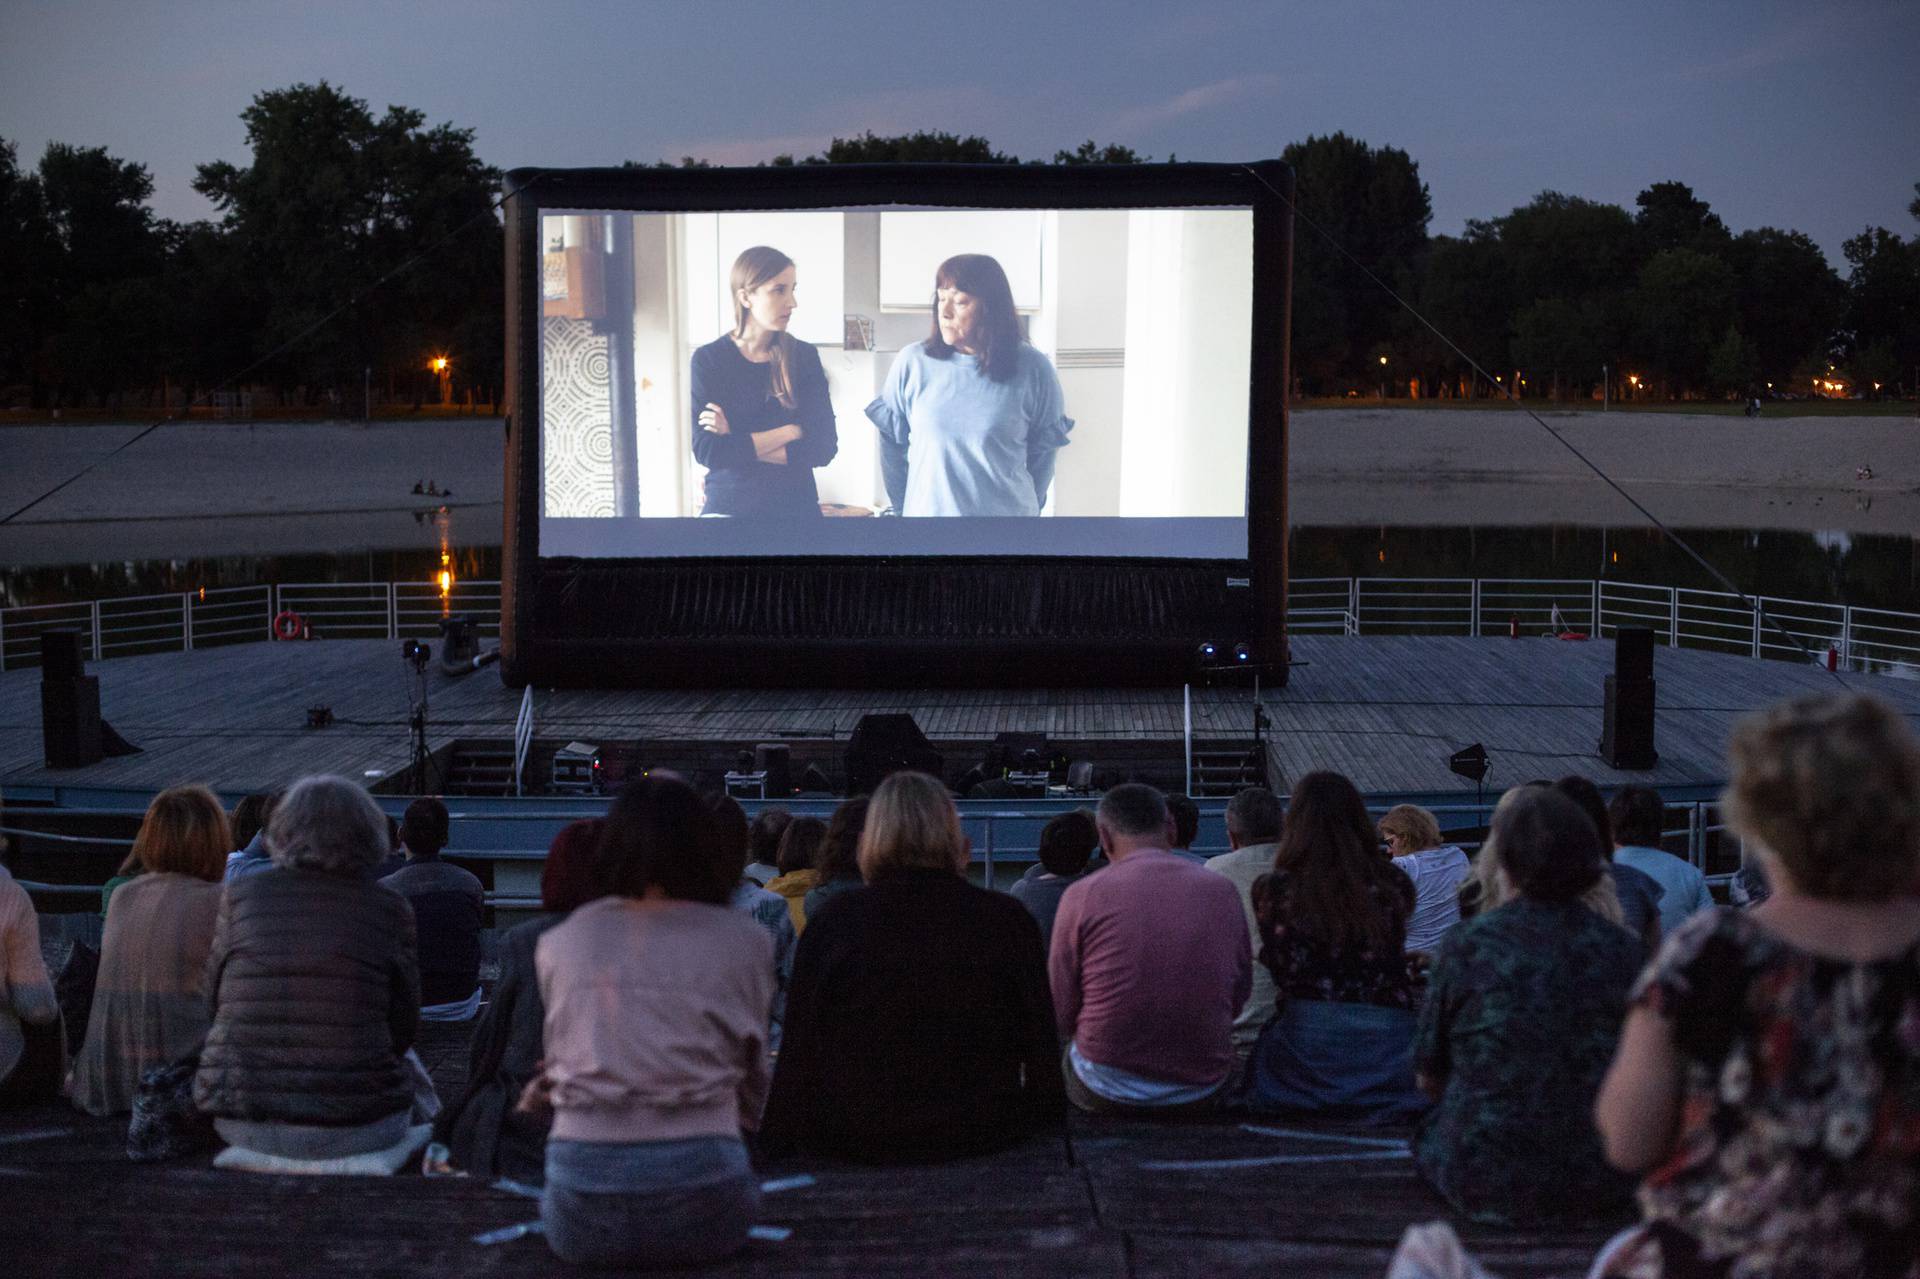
416, 655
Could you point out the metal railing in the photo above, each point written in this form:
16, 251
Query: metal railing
1861, 639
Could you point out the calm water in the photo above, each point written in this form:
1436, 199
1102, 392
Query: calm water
1871, 570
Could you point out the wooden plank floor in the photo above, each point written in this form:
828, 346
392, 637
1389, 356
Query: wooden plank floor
1385, 710
1099, 1200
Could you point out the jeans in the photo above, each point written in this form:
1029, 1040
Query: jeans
648, 1203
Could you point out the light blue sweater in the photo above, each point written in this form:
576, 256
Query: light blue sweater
956, 442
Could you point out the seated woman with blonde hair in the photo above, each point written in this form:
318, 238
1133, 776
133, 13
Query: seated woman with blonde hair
150, 1004
919, 1022
1767, 1084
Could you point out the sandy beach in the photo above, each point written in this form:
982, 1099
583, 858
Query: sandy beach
210, 488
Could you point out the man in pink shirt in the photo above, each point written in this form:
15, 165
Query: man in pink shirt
1149, 963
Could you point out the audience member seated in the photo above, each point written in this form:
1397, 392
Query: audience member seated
1768, 1077
799, 845
315, 997
1149, 964
838, 861
656, 1044
396, 858
448, 907
484, 1132
1412, 837
1488, 888
763, 855
150, 1000
1067, 845
250, 818
1521, 1017
1637, 814
769, 909
1638, 892
126, 873
1333, 930
1186, 827
919, 1025
30, 1050
1253, 830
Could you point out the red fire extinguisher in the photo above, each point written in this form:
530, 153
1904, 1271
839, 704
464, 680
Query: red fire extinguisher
1833, 658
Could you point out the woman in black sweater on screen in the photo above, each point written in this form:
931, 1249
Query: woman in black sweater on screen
761, 416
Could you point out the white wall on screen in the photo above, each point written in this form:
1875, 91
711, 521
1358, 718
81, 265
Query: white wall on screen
813, 240
914, 242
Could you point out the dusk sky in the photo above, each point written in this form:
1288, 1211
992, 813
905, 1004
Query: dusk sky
1795, 115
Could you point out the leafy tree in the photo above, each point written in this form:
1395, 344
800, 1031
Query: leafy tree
1672, 217
1883, 293
1787, 298
1467, 292
1091, 152
1877, 369
28, 254
1733, 368
1373, 204
909, 148
1560, 339
335, 200
1682, 305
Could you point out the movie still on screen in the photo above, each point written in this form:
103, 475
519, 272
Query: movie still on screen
896, 380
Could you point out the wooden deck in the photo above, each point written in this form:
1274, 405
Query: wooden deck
1386, 711
1101, 1200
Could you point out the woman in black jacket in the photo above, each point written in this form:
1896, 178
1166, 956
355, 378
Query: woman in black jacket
315, 990
919, 1023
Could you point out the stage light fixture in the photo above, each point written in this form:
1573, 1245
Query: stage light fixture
1242, 654
1207, 651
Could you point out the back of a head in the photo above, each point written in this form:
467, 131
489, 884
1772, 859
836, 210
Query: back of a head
250, 817
327, 824
1414, 825
1186, 819
1829, 787
570, 877
800, 844
185, 832
731, 829
910, 824
1332, 862
839, 855
1637, 815
1133, 810
1254, 816
763, 836
661, 834
1546, 843
1067, 843
424, 827
1584, 793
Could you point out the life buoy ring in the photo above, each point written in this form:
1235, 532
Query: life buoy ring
289, 625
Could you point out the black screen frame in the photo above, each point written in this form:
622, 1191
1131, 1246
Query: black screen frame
927, 621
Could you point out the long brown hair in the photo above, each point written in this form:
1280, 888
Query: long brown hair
185, 832
999, 333
1327, 849
753, 268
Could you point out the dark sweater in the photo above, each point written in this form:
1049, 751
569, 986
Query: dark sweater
738, 482
919, 1026
448, 906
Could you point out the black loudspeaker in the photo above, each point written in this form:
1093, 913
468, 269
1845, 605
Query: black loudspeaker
883, 744
70, 721
62, 655
775, 759
1626, 729
1633, 653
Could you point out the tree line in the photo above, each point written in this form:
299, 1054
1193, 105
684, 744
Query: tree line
107, 305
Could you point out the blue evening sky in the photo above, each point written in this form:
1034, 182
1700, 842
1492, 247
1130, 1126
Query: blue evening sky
1796, 115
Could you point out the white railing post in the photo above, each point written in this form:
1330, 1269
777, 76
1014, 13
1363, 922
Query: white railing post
1593, 614
1756, 626
186, 621
1673, 624
393, 611
522, 739
1846, 638
99, 654
1476, 608
273, 607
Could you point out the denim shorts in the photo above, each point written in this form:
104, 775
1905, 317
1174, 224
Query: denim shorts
648, 1203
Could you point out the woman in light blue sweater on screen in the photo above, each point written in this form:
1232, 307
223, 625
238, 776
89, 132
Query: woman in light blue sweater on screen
971, 416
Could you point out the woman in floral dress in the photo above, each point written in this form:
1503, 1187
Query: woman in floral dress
1768, 1078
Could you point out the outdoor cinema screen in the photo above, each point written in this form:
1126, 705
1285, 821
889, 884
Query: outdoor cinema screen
895, 380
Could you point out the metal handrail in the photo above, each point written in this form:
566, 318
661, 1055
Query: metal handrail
1862, 638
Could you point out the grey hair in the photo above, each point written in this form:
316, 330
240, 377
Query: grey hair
327, 823
1254, 814
1133, 809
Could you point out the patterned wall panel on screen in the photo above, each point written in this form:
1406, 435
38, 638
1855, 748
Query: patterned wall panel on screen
577, 420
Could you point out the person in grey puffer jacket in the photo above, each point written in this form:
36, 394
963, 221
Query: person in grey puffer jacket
314, 988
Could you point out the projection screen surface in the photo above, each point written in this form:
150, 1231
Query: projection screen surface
895, 381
